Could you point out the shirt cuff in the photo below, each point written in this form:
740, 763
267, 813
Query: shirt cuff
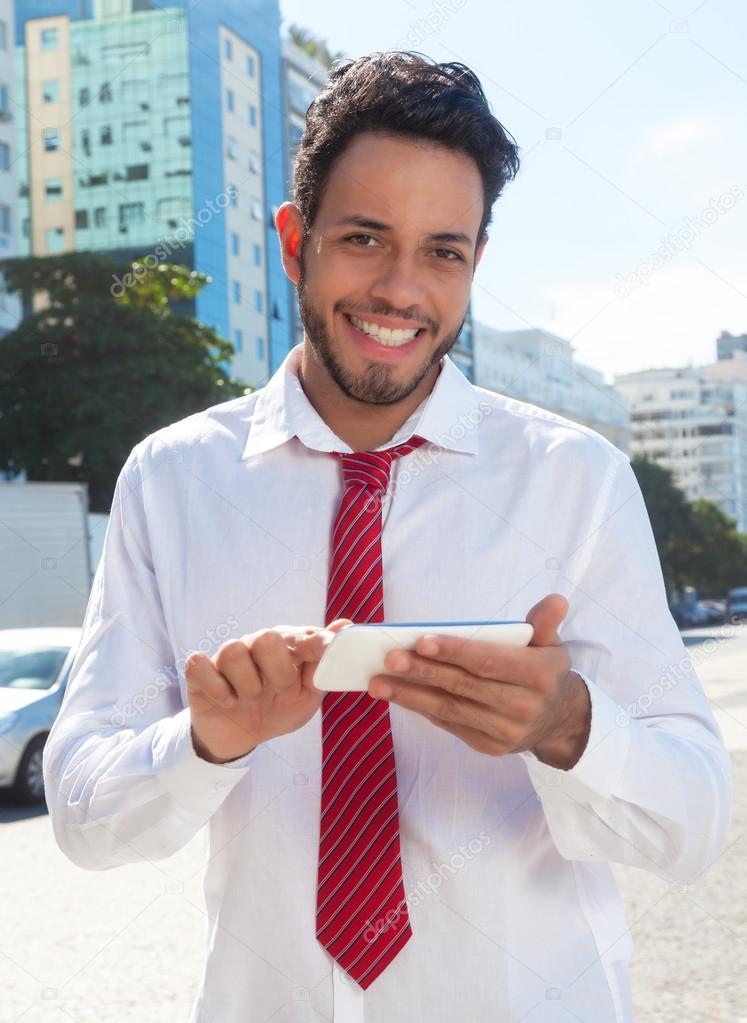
596, 773
191, 780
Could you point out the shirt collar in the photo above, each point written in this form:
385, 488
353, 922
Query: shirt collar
448, 416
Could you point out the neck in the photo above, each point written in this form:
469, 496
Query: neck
362, 425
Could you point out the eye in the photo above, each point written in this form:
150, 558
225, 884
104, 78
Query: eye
350, 238
451, 252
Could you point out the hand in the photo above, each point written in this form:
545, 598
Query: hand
255, 688
497, 698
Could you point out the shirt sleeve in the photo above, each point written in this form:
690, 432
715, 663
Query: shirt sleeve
122, 779
653, 787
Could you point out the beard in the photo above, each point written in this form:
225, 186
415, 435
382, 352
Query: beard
376, 386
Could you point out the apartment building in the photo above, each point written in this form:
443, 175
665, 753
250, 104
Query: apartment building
10, 306
693, 421
538, 367
154, 130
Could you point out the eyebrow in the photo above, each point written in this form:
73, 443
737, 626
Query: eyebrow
377, 225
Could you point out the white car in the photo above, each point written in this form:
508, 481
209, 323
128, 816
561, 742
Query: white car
34, 668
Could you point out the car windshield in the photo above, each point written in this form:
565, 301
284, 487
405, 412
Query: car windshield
31, 669
740, 594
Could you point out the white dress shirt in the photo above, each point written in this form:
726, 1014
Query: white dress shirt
220, 526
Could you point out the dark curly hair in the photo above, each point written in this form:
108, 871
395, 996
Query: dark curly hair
403, 93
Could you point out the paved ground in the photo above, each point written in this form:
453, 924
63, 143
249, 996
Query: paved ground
118, 945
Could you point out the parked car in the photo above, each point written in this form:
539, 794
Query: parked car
34, 667
713, 611
736, 603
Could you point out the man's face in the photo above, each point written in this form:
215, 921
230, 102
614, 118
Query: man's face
374, 254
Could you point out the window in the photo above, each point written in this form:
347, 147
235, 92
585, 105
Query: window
250, 65
4, 107
131, 213
51, 138
229, 99
55, 239
233, 194
137, 172
234, 243
228, 49
256, 210
53, 188
258, 300
99, 216
251, 114
238, 340
84, 96
260, 348
231, 147
50, 91
257, 254
4, 156
49, 40
26, 227
3, 35
236, 291
105, 93
85, 138
4, 218
105, 135
254, 162
81, 219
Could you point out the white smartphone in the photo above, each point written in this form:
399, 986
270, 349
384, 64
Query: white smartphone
356, 653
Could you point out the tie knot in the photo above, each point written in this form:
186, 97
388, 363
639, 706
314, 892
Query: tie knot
371, 468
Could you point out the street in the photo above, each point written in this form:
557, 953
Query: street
127, 943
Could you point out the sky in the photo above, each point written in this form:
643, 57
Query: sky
625, 230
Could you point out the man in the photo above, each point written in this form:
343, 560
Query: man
502, 781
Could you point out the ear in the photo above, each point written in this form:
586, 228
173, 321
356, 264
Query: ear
289, 225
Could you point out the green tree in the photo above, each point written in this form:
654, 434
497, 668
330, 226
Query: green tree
671, 520
718, 553
98, 365
314, 46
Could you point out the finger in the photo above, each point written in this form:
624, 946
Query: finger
272, 658
441, 705
205, 684
477, 740
508, 700
235, 662
511, 664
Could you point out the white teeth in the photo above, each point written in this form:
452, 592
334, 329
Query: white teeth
384, 335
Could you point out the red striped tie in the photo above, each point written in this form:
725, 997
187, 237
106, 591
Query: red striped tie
361, 916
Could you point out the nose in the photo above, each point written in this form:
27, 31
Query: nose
398, 284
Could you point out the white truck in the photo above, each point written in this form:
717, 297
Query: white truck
45, 553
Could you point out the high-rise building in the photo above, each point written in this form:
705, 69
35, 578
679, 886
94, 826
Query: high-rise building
304, 77
693, 421
10, 306
154, 129
538, 367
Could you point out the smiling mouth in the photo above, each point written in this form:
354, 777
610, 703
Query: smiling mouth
385, 336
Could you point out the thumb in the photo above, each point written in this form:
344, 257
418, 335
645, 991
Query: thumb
546, 617
338, 623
